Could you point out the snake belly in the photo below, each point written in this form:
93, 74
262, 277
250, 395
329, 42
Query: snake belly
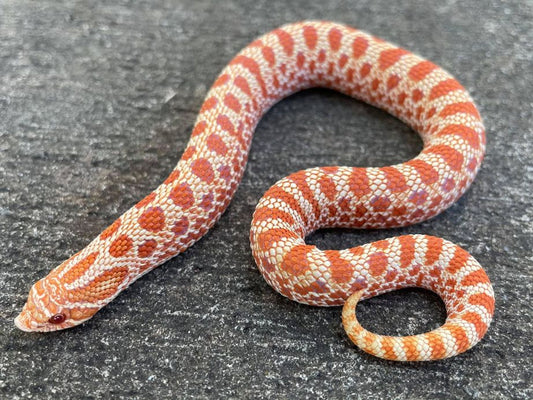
195, 194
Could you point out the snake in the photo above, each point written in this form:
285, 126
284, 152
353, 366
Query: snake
192, 198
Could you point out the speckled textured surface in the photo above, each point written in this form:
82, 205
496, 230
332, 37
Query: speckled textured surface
96, 105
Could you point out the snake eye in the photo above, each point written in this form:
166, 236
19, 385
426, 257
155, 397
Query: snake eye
57, 318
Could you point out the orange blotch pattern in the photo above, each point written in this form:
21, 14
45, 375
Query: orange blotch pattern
451, 156
188, 153
392, 82
434, 249
266, 213
181, 226
475, 319
458, 261
79, 269
269, 56
381, 244
216, 144
460, 336
365, 70
147, 248
202, 169
359, 47
417, 95
242, 84
455, 108
388, 58
182, 196
407, 244
286, 41
359, 182
341, 269
221, 80
199, 128
427, 173
335, 37
396, 181
410, 348
443, 88
103, 286
310, 36
306, 192
152, 219
209, 104
421, 70
272, 236
484, 300
174, 175
343, 59
377, 263
380, 204
147, 200
232, 102
296, 261
327, 187
474, 278
121, 246
436, 345
468, 134
110, 230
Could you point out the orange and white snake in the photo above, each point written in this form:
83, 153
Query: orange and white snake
189, 202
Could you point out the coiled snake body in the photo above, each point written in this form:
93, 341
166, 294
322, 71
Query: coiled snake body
192, 198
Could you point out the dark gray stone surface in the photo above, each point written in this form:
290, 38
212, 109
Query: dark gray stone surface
97, 101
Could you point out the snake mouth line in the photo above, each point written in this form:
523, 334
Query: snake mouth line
23, 322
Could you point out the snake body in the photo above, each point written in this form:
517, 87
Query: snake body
189, 202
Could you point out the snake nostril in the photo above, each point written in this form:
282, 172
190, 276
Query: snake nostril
57, 318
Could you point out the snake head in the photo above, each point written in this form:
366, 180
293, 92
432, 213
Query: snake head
46, 310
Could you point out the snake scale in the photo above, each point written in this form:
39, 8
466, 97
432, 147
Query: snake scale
195, 194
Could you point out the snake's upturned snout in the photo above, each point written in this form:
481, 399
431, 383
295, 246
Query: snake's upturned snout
22, 322
41, 313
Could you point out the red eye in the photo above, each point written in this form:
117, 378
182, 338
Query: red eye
57, 318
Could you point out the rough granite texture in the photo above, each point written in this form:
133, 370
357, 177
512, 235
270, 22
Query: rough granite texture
97, 101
